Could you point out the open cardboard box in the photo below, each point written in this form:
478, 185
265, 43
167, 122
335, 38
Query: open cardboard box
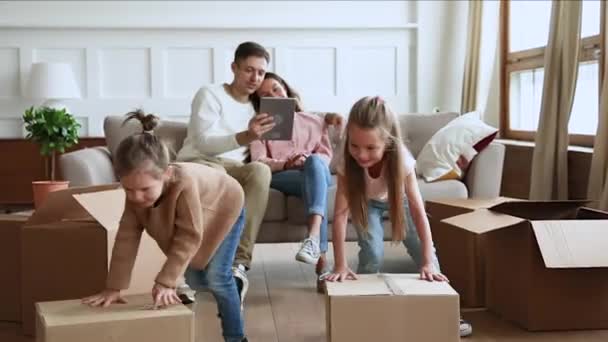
395, 307
71, 321
545, 262
66, 246
10, 286
461, 252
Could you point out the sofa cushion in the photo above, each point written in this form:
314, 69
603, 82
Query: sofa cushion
275, 210
417, 129
442, 189
172, 133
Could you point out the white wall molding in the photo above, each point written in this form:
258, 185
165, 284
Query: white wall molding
160, 68
208, 14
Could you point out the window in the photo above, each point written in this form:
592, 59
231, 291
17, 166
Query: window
525, 29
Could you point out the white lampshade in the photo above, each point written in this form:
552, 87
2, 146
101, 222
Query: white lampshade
52, 81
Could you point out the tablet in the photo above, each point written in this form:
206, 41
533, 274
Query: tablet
282, 110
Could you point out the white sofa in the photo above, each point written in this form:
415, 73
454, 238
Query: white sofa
285, 220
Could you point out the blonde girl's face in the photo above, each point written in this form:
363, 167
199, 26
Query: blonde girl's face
366, 145
271, 88
143, 188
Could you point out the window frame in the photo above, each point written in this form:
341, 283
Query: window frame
533, 58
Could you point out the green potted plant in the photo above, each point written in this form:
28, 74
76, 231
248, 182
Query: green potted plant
54, 130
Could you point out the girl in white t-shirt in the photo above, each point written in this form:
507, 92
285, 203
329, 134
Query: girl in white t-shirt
376, 174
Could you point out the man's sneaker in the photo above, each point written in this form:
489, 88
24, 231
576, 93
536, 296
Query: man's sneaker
309, 251
466, 329
242, 283
185, 294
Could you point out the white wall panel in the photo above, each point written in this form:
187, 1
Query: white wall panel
11, 128
126, 55
185, 69
9, 72
124, 72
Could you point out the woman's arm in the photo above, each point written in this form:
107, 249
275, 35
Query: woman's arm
259, 152
323, 147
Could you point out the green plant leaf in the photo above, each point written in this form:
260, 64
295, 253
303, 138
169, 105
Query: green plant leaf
54, 130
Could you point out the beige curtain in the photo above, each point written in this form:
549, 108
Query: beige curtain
598, 177
470, 81
550, 160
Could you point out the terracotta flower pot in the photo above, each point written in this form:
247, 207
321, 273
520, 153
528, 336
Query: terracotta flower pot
42, 188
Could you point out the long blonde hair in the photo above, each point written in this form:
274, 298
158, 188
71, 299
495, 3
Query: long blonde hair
374, 113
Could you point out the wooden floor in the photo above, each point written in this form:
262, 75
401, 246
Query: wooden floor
282, 305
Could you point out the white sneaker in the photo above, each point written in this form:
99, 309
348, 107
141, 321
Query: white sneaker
309, 251
242, 283
185, 294
466, 329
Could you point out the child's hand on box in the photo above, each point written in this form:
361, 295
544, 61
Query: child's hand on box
105, 298
427, 272
164, 296
341, 273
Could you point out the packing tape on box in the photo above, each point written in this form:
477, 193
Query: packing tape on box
391, 284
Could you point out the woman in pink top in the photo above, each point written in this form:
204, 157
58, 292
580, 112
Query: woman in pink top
300, 167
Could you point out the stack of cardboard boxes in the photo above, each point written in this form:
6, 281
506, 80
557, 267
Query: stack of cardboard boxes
62, 251
540, 264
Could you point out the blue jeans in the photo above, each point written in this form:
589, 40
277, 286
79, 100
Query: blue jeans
217, 278
371, 253
309, 184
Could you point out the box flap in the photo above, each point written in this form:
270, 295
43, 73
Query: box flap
60, 205
105, 206
482, 221
590, 213
412, 285
572, 243
540, 210
473, 203
365, 285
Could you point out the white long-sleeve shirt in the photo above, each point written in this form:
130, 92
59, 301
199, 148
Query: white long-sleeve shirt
215, 120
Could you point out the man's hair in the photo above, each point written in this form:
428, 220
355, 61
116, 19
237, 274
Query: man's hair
248, 49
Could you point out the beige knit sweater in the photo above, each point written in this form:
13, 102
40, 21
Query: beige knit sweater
196, 211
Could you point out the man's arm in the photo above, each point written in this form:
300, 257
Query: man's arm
206, 116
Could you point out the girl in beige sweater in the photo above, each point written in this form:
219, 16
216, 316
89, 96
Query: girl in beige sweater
195, 214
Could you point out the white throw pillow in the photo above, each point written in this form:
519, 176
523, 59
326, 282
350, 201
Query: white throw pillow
448, 153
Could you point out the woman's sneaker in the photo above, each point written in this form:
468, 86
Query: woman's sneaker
242, 283
466, 329
309, 251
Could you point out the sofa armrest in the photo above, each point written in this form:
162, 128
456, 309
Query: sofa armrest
484, 176
89, 166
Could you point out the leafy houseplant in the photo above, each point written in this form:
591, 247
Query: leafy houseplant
54, 130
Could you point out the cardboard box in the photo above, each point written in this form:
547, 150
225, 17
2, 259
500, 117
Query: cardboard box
71, 321
460, 252
396, 307
546, 262
10, 286
66, 247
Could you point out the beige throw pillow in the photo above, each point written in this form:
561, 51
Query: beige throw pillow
451, 149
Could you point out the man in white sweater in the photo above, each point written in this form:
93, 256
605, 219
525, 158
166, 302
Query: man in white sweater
222, 124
